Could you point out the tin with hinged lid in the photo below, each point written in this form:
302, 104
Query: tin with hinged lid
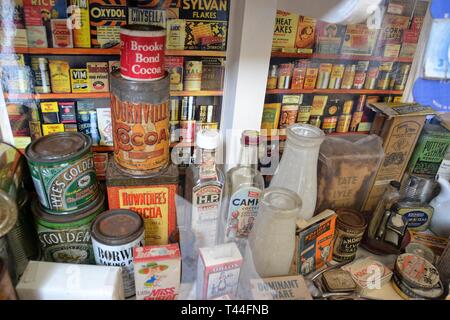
416, 271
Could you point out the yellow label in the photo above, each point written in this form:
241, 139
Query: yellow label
398, 99
285, 30
52, 128
318, 105
82, 30
22, 142
271, 116
79, 80
60, 76
49, 107
153, 206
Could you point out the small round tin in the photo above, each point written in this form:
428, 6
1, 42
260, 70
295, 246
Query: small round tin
416, 271
350, 227
63, 171
114, 235
420, 250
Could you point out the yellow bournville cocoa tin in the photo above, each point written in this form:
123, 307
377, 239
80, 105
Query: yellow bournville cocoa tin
60, 76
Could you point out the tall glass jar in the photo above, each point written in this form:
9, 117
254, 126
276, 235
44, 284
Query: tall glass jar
297, 170
272, 240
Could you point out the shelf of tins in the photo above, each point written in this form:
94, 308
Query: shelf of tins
335, 91
172, 145
276, 137
318, 56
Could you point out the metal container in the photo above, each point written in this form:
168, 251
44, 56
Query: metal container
63, 171
193, 71
187, 132
329, 124
41, 75
188, 108
343, 123
349, 77
401, 77
140, 118
419, 187
7, 291
114, 235
350, 227
67, 238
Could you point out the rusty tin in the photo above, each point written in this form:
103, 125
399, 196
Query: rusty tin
350, 227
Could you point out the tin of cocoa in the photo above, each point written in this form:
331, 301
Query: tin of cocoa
350, 227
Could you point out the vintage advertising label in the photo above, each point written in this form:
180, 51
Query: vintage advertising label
80, 20
98, 77
106, 18
205, 212
141, 137
62, 35
243, 209
143, 16
79, 80
285, 31
155, 204
280, 288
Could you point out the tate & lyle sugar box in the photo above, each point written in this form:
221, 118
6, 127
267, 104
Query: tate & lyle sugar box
157, 272
218, 271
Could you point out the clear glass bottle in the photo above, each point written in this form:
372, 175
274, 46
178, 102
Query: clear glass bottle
391, 195
272, 241
243, 187
297, 170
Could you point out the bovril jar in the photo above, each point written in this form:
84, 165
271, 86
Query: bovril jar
67, 238
115, 233
63, 172
140, 119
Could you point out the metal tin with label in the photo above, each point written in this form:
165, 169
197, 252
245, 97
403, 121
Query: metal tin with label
350, 227
416, 271
338, 280
41, 75
188, 108
418, 214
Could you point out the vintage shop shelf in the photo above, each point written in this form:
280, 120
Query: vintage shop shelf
334, 91
47, 96
284, 137
277, 54
172, 145
209, 93
105, 52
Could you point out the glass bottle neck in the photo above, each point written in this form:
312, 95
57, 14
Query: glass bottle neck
206, 160
249, 156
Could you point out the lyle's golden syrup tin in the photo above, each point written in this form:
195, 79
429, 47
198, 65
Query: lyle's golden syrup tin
140, 119
63, 172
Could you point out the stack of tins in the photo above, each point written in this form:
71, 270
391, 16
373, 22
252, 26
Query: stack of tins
63, 173
141, 178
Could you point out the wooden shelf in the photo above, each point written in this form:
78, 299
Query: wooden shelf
319, 56
283, 137
105, 52
334, 91
210, 93
49, 96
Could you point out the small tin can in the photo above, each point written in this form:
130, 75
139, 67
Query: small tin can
174, 109
349, 77
371, 79
285, 75
115, 233
336, 76
174, 129
315, 121
350, 228
188, 108
187, 132
348, 107
288, 115
203, 113
67, 238
142, 52
63, 171
329, 124
193, 71
272, 79
7, 291
360, 74
343, 124
304, 112
41, 75
323, 79
416, 271
402, 77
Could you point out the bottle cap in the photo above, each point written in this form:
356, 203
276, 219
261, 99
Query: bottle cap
250, 138
208, 139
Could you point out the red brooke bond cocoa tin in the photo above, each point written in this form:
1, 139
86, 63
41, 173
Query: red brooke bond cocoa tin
142, 52
140, 119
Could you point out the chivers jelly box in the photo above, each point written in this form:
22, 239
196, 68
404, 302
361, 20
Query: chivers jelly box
153, 198
430, 150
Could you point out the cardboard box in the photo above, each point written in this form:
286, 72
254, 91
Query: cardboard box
98, 76
399, 125
50, 112
67, 112
52, 128
213, 71
285, 32
157, 272
62, 36
79, 80
37, 37
218, 271
175, 67
280, 288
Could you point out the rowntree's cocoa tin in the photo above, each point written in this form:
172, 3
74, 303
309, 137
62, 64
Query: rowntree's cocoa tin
142, 52
115, 233
140, 120
67, 238
63, 172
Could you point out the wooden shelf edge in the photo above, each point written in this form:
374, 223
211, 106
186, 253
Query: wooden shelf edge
47, 96
211, 93
277, 54
172, 145
333, 91
284, 137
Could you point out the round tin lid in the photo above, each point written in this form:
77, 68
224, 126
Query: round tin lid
420, 250
143, 30
409, 292
117, 227
40, 213
58, 147
351, 218
8, 213
416, 271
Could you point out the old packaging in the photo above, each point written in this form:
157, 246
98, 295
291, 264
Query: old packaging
157, 272
87, 123
288, 117
418, 214
176, 34
318, 105
280, 288
188, 107
312, 73
37, 37
272, 78
299, 74
187, 131
60, 76
98, 77
391, 34
49, 112
48, 129
323, 79
105, 126
106, 18
100, 164
329, 124
79, 80
359, 39
350, 228
82, 31
336, 76
62, 35
213, 71
285, 75
218, 271
371, 79
360, 74
145, 16
174, 66
285, 30
349, 77
113, 65
271, 116
70, 127
41, 75
329, 37
399, 125
193, 75
305, 33
67, 112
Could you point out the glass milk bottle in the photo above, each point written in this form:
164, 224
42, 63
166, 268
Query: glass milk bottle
271, 243
243, 187
297, 170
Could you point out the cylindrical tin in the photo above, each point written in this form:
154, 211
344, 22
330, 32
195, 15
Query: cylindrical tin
187, 132
67, 238
193, 75
188, 108
174, 109
63, 172
384, 80
209, 126
272, 78
349, 77
348, 107
304, 112
402, 77
350, 227
407, 269
115, 233
343, 124
210, 113
285, 75
41, 75
371, 79
329, 124
360, 74
7, 291
336, 76
140, 118
142, 52
94, 133
174, 129
315, 121
203, 113
323, 79
288, 115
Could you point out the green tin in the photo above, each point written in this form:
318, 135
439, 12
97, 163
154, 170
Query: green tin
63, 172
67, 238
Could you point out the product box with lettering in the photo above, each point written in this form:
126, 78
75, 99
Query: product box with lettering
306, 33
106, 18
285, 30
329, 37
52, 128
61, 35
175, 67
20, 37
157, 271
146, 16
359, 40
79, 80
399, 125
98, 76
280, 288
213, 71
391, 35
218, 271
82, 28
67, 112
152, 198
49, 112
